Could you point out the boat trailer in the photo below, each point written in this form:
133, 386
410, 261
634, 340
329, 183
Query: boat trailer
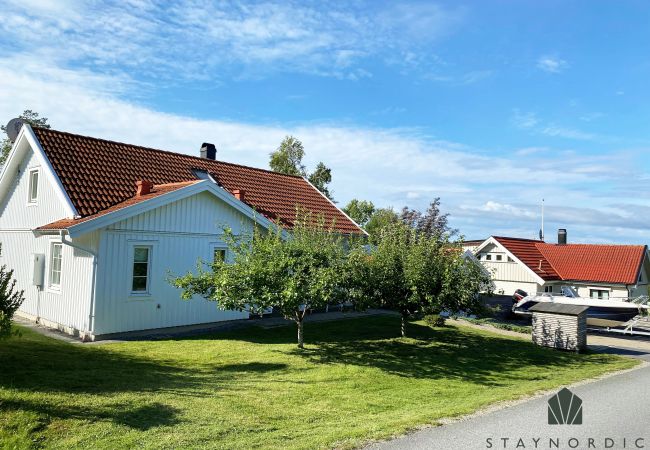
638, 326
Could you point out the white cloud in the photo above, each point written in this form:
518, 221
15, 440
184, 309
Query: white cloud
551, 64
524, 120
531, 122
486, 194
201, 39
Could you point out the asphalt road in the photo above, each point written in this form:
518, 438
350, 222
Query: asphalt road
616, 415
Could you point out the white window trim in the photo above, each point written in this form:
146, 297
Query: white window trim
133, 245
603, 289
55, 289
218, 246
31, 171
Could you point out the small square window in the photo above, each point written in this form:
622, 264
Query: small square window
219, 254
33, 186
499, 257
488, 257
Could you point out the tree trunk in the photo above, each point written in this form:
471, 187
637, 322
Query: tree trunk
301, 341
403, 325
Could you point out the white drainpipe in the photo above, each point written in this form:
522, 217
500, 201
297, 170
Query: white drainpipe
91, 315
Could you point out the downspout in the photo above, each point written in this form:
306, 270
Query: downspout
93, 282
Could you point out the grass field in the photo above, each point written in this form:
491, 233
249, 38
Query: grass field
356, 380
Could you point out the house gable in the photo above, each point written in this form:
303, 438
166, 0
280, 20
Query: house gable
27, 165
523, 271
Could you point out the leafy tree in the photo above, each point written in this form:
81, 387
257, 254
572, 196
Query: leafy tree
360, 210
292, 275
10, 300
413, 272
320, 178
432, 222
29, 116
379, 220
287, 159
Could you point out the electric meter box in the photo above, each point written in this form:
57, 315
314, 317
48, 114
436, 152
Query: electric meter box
38, 269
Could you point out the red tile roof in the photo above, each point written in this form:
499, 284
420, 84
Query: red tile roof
617, 264
156, 191
99, 175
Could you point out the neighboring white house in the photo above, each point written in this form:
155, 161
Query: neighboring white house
597, 271
94, 228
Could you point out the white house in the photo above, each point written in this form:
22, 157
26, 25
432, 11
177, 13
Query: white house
94, 228
597, 271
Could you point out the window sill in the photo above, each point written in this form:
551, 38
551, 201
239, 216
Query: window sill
139, 294
53, 290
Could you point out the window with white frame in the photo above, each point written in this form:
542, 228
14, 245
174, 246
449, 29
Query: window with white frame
488, 257
141, 269
56, 258
548, 288
600, 294
219, 254
499, 257
33, 186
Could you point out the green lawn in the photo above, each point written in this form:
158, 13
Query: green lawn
356, 380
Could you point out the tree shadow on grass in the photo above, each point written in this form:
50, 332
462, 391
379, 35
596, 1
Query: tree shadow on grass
142, 417
47, 365
431, 353
34, 364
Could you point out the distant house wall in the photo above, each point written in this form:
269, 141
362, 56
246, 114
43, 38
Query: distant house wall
178, 234
507, 274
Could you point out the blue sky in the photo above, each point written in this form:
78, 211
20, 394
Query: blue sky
491, 105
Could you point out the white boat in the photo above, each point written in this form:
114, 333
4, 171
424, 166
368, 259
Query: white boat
602, 312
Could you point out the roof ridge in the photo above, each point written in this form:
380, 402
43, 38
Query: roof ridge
584, 244
167, 151
517, 239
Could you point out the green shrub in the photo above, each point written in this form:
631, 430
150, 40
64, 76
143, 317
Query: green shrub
435, 320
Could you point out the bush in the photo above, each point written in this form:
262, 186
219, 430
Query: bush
10, 300
435, 320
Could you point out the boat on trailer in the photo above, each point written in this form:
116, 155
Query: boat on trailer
601, 312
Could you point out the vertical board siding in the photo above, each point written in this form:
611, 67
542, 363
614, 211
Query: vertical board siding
70, 306
179, 233
15, 213
567, 332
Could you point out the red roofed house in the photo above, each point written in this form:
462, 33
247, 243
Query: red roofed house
597, 271
93, 228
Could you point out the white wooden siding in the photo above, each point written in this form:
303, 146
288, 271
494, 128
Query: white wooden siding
69, 307
179, 233
15, 213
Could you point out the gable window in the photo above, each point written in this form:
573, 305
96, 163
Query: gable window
141, 269
33, 186
600, 294
56, 258
488, 257
510, 259
219, 254
499, 257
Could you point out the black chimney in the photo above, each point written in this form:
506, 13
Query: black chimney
208, 151
561, 236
